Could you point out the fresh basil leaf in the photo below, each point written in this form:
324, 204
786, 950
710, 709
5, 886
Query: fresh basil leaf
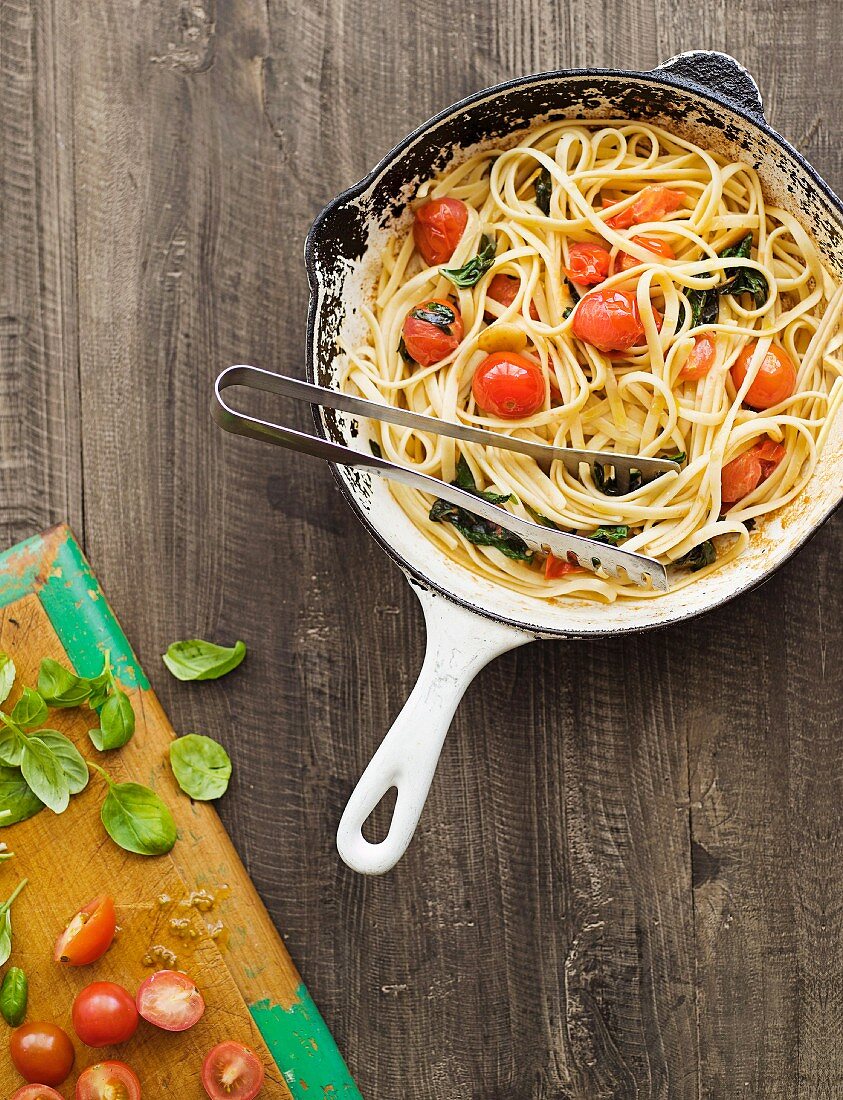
544, 190
465, 480
101, 687
196, 659
701, 556
482, 532
14, 994
117, 722
16, 797
611, 534
44, 772
137, 820
11, 746
201, 766
7, 675
30, 710
59, 687
71, 759
435, 313
6, 924
473, 271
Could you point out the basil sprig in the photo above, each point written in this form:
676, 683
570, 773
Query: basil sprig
196, 659
59, 687
6, 923
201, 766
473, 271
136, 818
117, 718
705, 308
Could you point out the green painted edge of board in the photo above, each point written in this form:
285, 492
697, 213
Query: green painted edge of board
53, 566
304, 1049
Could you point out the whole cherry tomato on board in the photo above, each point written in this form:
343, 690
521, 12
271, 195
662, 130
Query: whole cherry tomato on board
104, 1014
508, 385
36, 1092
746, 472
42, 1052
588, 264
700, 361
775, 381
89, 935
656, 245
108, 1081
437, 229
170, 1000
432, 330
608, 319
503, 289
232, 1071
651, 206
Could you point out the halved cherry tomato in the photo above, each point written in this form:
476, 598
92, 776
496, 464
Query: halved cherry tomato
430, 341
655, 245
508, 385
588, 264
108, 1081
89, 935
437, 228
608, 319
744, 473
503, 289
558, 567
42, 1052
170, 1000
36, 1092
700, 361
775, 381
651, 206
104, 1014
232, 1071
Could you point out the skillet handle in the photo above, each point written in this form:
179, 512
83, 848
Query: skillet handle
459, 644
717, 72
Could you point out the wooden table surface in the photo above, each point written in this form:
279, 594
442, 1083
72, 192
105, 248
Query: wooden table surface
628, 879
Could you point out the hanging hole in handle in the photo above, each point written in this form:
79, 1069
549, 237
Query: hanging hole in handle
375, 828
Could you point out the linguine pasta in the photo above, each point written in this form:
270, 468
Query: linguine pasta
588, 177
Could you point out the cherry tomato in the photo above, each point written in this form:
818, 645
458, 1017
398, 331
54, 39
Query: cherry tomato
608, 319
36, 1092
700, 361
89, 935
775, 381
170, 1000
651, 206
655, 245
588, 264
558, 567
104, 1014
108, 1081
503, 289
744, 473
430, 341
508, 385
437, 229
232, 1071
42, 1052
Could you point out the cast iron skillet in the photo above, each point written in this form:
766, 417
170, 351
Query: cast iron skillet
713, 100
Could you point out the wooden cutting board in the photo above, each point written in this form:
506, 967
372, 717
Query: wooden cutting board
196, 905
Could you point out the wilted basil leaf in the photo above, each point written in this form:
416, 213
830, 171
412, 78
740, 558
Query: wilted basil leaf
435, 313
611, 534
544, 190
473, 271
699, 557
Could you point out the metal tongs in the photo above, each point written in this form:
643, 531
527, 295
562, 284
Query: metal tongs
589, 553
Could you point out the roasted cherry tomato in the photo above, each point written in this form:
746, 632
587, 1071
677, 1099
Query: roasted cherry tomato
89, 935
559, 567
437, 229
588, 264
655, 245
700, 361
508, 385
609, 319
651, 206
744, 473
232, 1071
503, 289
170, 1000
104, 1014
108, 1081
432, 330
42, 1052
36, 1092
775, 381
